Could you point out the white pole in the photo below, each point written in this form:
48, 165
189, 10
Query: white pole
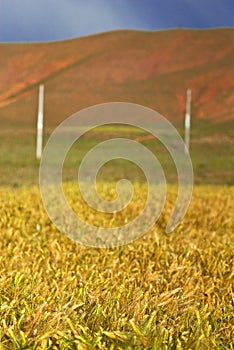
187, 121
40, 121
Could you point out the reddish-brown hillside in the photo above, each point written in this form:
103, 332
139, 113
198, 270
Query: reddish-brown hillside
149, 68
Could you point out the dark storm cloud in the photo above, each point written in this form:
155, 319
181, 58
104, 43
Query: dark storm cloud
43, 20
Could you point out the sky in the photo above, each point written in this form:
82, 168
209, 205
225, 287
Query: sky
49, 20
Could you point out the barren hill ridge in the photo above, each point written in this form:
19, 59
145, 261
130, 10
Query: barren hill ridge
149, 68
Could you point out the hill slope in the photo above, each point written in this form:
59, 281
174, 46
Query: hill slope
149, 68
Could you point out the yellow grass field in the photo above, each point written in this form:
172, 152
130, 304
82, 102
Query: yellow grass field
163, 291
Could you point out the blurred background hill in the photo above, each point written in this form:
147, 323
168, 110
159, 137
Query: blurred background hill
149, 68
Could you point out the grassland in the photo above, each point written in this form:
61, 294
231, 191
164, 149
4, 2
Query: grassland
211, 152
161, 292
